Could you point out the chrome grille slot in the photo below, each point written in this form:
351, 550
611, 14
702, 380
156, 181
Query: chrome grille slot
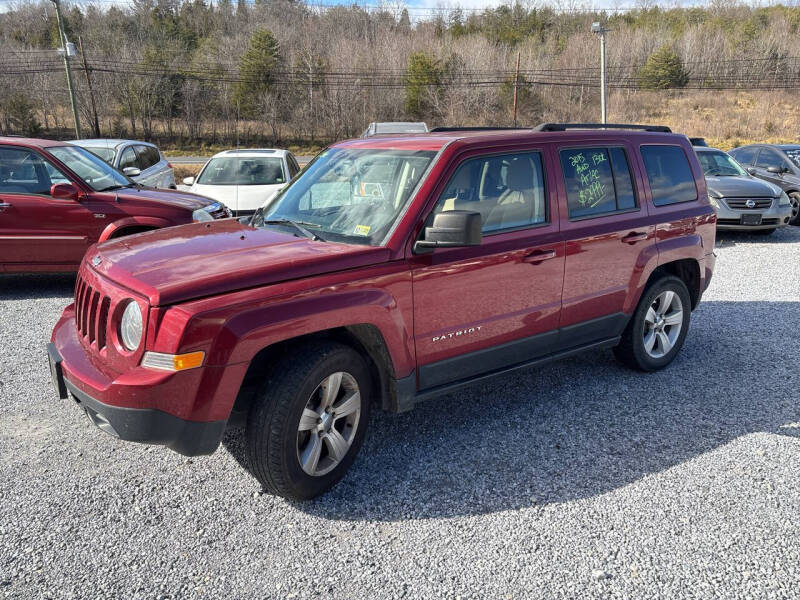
741, 203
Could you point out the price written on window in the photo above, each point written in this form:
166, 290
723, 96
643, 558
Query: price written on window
591, 190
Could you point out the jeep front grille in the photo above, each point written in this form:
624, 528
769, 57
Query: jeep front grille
741, 203
91, 313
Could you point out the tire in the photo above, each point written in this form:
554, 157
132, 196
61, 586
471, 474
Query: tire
794, 198
632, 350
763, 231
296, 388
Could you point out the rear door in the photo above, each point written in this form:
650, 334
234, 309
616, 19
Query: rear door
480, 309
608, 238
148, 161
35, 228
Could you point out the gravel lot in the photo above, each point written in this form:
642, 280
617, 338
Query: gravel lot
581, 479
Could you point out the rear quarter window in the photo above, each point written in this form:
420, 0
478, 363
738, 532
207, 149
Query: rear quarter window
669, 174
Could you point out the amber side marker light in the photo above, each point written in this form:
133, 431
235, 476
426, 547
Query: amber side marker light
173, 362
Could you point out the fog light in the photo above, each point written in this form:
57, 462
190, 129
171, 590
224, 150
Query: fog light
173, 362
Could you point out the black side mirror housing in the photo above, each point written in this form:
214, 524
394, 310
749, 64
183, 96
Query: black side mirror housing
451, 229
777, 170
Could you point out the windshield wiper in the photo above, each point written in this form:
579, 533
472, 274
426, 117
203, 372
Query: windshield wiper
111, 187
297, 225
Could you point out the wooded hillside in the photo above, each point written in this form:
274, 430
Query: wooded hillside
191, 73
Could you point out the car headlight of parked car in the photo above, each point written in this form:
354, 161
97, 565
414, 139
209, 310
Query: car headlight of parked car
783, 199
202, 214
131, 325
714, 201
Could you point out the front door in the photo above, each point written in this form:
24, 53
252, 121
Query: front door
483, 308
35, 228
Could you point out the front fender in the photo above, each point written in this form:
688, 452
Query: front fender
112, 228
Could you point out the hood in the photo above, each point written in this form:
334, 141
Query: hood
239, 197
203, 259
741, 187
185, 200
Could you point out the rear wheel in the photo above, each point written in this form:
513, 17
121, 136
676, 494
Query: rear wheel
658, 327
308, 421
794, 198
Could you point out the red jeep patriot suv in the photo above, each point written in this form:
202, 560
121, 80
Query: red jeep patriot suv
57, 199
392, 269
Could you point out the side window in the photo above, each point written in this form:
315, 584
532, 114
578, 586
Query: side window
598, 181
508, 191
769, 158
25, 172
294, 168
669, 173
128, 159
147, 157
744, 156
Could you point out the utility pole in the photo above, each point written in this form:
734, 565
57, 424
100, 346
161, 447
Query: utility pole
600, 30
516, 83
66, 51
91, 90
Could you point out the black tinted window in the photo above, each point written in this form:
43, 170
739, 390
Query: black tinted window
670, 175
598, 181
744, 156
769, 158
148, 156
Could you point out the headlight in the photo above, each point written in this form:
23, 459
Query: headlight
783, 199
130, 327
201, 214
713, 201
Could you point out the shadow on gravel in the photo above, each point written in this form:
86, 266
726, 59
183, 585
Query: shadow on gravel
785, 235
40, 285
578, 428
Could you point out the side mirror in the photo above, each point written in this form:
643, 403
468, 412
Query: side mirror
64, 191
451, 229
777, 170
752, 171
131, 171
188, 180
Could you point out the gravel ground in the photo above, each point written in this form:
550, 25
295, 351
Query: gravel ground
581, 479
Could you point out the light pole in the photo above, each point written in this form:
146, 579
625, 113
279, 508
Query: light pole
601, 31
66, 51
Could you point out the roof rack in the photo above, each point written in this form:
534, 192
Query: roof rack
446, 129
565, 126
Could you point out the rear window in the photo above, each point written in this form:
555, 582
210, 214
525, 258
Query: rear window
598, 181
669, 173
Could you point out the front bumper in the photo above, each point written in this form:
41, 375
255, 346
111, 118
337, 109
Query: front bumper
772, 217
186, 411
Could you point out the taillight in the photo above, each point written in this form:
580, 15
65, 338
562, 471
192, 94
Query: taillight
169, 165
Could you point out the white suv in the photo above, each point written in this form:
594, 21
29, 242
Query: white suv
243, 180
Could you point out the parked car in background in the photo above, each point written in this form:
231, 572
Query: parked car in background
776, 163
391, 127
141, 161
742, 202
698, 141
391, 271
244, 179
57, 199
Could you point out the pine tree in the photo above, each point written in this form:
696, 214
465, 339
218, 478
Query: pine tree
663, 70
256, 70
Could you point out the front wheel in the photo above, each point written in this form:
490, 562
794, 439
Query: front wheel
308, 421
794, 199
658, 327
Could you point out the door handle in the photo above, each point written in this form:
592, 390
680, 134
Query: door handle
634, 237
4, 205
538, 256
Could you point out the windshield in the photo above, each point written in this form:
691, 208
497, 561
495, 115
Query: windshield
719, 164
107, 154
256, 170
350, 195
92, 169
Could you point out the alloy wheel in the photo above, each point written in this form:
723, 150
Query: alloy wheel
662, 324
328, 424
794, 199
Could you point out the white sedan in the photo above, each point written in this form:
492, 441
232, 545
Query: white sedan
243, 180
